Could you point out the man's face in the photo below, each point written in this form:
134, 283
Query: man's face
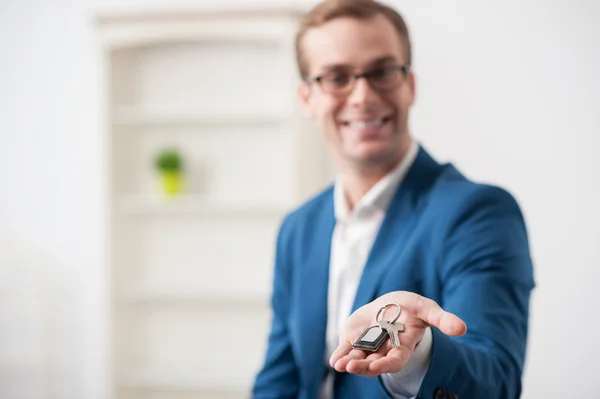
364, 127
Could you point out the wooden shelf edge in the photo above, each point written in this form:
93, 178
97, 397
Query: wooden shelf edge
188, 296
191, 204
130, 116
273, 9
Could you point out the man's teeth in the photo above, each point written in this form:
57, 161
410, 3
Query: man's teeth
366, 124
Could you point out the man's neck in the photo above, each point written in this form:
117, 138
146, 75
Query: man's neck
358, 181
357, 184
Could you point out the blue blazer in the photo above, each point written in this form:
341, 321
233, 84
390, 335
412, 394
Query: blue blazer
460, 243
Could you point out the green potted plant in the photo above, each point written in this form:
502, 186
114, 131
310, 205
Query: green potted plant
169, 165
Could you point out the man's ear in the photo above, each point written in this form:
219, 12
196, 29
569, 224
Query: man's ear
410, 80
304, 96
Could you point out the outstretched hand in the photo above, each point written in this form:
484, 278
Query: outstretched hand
418, 313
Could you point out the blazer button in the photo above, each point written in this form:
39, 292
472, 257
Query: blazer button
440, 394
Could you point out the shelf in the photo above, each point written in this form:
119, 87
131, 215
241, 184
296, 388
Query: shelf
198, 205
165, 380
186, 295
137, 117
169, 287
222, 22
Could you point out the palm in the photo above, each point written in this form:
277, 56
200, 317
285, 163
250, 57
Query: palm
387, 359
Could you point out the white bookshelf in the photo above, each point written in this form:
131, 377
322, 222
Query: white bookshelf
220, 87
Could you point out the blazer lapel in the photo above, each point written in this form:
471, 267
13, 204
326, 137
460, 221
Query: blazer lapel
398, 222
314, 280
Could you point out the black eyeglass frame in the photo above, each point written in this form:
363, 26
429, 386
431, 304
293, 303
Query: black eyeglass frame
367, 75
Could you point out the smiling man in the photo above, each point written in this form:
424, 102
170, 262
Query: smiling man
396, 227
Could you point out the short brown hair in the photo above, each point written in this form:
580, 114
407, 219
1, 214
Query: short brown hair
328, 10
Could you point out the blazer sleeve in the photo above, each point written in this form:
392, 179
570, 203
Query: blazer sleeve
278, 377
487, 277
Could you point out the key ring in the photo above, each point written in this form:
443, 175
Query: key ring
385, 307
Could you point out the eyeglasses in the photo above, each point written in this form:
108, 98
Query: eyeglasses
341, 82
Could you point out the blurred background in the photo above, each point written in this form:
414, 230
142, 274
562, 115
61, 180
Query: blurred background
150, 149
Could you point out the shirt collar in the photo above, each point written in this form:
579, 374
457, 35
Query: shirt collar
381, 194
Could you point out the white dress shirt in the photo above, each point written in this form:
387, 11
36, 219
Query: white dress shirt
352, 239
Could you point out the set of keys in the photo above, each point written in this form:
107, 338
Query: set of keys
373, 337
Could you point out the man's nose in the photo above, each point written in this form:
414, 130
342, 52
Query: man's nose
362, 93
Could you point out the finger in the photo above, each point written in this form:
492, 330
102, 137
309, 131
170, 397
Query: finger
360, 367
355, 354
374, 356
342, 350
393, 362
431, 313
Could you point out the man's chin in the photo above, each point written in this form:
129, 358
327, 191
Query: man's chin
372, 159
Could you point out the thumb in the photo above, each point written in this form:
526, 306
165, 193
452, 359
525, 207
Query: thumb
450, 324
431, 313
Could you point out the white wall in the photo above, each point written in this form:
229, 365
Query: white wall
508, 90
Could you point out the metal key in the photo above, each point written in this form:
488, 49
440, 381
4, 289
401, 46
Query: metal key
392, 329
